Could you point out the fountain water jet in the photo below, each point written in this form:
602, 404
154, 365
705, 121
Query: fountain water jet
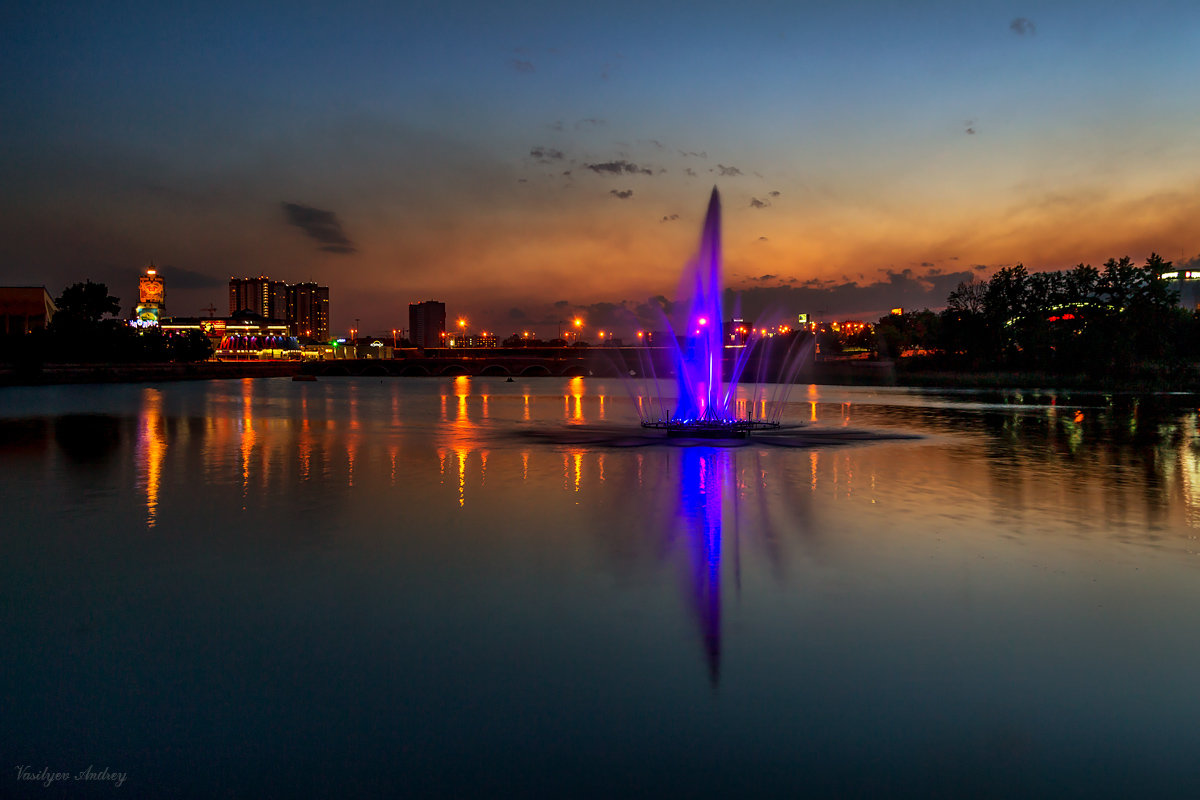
706, 403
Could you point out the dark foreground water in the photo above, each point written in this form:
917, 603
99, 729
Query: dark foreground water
355, 587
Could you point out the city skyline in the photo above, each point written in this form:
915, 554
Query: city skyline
526, 165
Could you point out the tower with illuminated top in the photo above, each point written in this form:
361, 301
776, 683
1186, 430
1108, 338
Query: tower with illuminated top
152, 297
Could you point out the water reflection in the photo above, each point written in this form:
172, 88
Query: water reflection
1052, 456
490, 588
705, 476
86, 439
1045, 457
152, 446
248, 436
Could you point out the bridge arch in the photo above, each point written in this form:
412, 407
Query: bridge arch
574, 371
453, 369
414, 371
495, 369
536, 371
374, 370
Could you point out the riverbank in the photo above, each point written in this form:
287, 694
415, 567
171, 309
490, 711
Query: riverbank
50, 374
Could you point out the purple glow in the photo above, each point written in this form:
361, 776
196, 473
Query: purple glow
699, 365
705, 369
705, 475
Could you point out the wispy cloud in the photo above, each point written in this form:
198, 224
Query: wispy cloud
728, 172
669, 218
619, 168
321, 225
756, 203
1022, 26
624, 194
521, 65
546, 155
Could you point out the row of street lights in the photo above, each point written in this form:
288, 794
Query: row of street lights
576, 324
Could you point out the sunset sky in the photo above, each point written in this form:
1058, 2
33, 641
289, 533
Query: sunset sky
525, 162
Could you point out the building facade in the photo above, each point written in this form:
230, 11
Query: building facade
237, 339
1187, 283
152, 297
427, 324
261, 295
308, 310
24, 309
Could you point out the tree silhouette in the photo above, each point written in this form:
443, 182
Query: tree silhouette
87, 302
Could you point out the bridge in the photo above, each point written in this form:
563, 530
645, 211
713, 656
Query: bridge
559, 362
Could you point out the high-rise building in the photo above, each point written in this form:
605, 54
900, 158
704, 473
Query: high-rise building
261, 295
308, 310
152, 297
427, 323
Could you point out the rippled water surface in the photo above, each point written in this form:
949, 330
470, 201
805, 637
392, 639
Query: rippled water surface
437, 587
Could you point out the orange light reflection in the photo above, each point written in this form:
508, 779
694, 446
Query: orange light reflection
153, 448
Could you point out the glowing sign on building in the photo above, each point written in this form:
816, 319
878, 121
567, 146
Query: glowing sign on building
151, 298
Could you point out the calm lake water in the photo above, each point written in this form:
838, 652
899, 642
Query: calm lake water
275, 588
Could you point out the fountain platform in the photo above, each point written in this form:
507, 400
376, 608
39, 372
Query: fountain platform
710, 428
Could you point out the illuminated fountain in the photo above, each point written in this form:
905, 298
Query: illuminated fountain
709, 362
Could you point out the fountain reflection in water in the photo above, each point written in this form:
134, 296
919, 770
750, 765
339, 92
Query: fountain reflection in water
709, 362
706, 474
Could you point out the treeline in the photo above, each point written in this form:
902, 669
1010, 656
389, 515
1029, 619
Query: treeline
80, 332
1119, 321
